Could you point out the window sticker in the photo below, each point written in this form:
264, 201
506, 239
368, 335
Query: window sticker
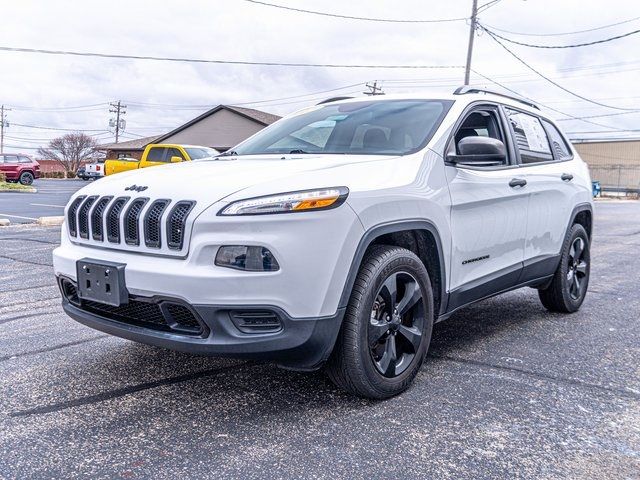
532, 129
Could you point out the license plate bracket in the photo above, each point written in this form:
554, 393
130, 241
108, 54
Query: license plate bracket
102, 281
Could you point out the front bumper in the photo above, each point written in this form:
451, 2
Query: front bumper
300, 344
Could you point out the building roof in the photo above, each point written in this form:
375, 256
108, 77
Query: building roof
137, 144
605, 140
263, 118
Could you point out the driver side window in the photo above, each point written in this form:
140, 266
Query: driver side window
480, 122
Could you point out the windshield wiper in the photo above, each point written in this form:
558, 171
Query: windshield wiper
297, 150
229, 153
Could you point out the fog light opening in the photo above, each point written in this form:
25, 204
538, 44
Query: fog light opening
247, 258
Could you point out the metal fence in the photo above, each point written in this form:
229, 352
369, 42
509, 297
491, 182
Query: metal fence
617, 178
615, 163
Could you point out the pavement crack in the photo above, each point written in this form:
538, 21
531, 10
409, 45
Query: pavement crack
50, 349
544, 376
27, 261
57, 297
37, 240
15, 290
121, 392
26, 315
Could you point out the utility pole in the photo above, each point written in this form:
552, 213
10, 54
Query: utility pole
118, 109
374, 89
472, 34
3, 123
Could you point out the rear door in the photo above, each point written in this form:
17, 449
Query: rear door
488, 215
547, 164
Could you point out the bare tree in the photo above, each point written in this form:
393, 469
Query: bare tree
70, 151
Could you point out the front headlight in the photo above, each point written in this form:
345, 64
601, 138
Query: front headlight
321, 199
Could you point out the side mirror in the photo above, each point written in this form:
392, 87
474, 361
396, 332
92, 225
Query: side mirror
176, 159
480, 151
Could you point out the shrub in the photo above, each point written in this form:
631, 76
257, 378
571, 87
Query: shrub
3, 177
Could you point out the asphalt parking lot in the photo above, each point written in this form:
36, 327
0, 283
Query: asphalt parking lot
508, 391
49, 200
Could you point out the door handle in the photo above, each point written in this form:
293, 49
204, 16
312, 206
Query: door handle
517, 182
566, 177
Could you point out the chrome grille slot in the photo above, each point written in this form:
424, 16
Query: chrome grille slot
97, 230
152, 223
176, 222
72, 220
83, 216
131, 221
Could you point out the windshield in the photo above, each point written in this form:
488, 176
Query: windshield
201, 152
389, 127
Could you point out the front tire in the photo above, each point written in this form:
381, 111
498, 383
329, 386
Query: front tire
569, 286
26, 178
387, 327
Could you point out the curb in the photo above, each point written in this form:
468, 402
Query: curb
9, 190
50, 221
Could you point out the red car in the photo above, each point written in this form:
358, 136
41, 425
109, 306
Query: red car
19, 168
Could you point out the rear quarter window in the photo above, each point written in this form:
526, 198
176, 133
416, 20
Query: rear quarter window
559, 146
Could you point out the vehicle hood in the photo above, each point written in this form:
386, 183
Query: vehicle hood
210, 180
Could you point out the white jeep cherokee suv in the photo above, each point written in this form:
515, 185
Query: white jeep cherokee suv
337, 236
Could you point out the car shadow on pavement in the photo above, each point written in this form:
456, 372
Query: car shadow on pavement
137, 371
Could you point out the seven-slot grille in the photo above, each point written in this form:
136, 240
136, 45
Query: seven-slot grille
118, 220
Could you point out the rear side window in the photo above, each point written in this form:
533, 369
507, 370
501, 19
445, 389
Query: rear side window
25, 159
10, 159
156, 155
530, 137
558, 144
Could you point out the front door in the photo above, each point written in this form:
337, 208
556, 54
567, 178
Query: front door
488, 216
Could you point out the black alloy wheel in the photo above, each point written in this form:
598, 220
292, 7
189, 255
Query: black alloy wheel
395, 328
568, 288
26, 178
577, 269
386, 330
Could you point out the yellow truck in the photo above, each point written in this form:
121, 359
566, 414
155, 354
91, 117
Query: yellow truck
159, 154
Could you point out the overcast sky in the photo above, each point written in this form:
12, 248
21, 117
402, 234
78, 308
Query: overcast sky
41, 88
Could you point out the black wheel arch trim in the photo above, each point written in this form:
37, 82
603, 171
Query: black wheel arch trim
392, 227
581, 207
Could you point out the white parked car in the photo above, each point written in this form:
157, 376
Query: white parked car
337, 236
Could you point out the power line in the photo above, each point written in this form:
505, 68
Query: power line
58, 129
600, 116
545, 106
351, 17
55, 109
224, 62
575, 45
488, 5
548, 79
563, 33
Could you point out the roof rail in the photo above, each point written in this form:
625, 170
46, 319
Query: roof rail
467, 89
333, 99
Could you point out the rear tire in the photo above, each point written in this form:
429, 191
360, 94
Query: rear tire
26, 178
387, 327
569, 286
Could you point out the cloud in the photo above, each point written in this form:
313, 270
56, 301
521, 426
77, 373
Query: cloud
239, 30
